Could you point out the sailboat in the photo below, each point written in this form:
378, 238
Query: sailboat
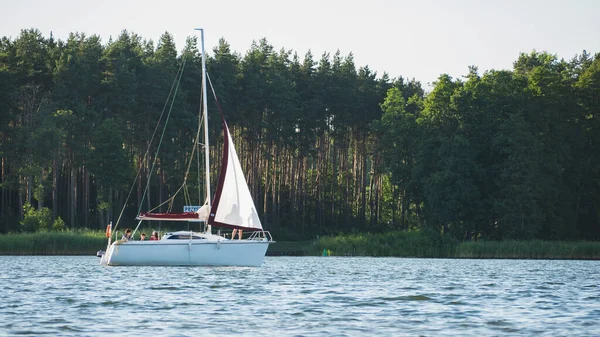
231, 207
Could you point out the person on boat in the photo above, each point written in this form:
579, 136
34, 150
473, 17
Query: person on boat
238, 231
127, 236
253, 219
142, 236
154, 236
234, 216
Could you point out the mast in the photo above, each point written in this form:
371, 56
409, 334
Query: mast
205, 116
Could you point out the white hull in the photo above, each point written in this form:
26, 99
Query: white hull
246, 253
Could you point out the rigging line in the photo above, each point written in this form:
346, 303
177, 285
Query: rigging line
215, 95
166, 201
189, 165
184, 184
136, 228
162, 136
171, 199
170, 205
196, 142
144, 158
187, 171
186, 196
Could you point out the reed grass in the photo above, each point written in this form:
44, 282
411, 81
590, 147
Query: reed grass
78, 242
403, 244
291, 248
428, 244
68, 242
534, 249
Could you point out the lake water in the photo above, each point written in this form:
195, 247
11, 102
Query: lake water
301, 296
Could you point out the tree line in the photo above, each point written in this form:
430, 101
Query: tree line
326, 146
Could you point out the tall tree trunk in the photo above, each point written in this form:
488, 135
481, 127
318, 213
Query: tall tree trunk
3, 209
72, 199
394, 205
148, 184
139, 180
371, 199
118, 203
54, 188
41, 199
20, 197
379, 197
346, 194
161, 185
405, 204
580, 190
274, 184
303, 192
86, 196
363, 200
100, 216
29, 183
334, 174
110, 205
266, 189
356, 172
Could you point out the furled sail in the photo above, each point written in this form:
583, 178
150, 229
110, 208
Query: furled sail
203, 212
185, 216
200, 215
233, 205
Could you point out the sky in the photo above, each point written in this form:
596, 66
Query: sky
418, 39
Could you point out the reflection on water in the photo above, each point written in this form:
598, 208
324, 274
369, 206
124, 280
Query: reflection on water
307, 296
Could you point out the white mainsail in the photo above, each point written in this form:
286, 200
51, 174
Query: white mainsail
233, 205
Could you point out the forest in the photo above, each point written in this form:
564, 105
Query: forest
327, 146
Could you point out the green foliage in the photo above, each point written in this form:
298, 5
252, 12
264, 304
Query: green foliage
58, 225
506, 155
327, 146
109, 159
36, 220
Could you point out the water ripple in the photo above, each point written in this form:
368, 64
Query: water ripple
302, 296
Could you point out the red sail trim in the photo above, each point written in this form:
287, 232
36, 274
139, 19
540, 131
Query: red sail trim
245, 229
219, 190
169, 216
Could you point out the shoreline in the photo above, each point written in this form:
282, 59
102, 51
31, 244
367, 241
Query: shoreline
393, 244
279, 254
